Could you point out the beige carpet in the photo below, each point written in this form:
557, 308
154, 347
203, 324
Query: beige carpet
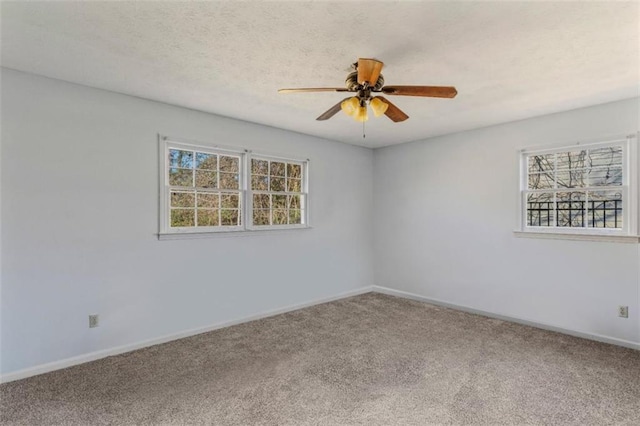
366, 360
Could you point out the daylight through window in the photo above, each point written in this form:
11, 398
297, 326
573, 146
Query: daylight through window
277, 192
213, 190
204, 189
581, 187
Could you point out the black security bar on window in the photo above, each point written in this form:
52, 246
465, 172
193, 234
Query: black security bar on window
602, 212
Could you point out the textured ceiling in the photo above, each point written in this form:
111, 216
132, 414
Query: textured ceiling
508, 60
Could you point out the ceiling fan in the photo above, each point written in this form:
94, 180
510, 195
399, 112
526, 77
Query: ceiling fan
364, 82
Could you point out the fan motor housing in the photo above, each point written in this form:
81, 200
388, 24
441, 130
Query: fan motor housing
353, 86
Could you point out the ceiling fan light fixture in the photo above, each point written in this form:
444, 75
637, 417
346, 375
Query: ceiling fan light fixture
361, 114
350, 106
367, 80
378, 106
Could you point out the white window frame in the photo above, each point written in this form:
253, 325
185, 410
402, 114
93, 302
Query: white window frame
304, 207
165, 198
629, 189
166, 143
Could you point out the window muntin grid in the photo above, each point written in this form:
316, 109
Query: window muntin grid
579, 188
204, 189
207, 189
278, 196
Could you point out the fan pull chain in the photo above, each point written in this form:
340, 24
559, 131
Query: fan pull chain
363, 135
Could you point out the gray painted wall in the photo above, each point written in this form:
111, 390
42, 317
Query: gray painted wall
79, 212
80, 217
445, 211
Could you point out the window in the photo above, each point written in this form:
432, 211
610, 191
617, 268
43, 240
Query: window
583, 188
278, 192
208, 189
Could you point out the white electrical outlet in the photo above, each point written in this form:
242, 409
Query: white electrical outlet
93, 320
623, 311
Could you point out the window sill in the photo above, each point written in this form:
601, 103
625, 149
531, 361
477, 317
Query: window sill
631, 239
234, 233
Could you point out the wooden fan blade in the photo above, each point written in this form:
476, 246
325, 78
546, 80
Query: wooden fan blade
393, 112
314, 89
369, 71
332, 111
426, 91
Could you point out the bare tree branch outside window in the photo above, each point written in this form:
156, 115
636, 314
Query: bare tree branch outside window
576, 188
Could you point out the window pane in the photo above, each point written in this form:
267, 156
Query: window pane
206, 179
229, 164
540, 210
541, 163
183, 217
294, 201
571, 179
180, 177
208, 217
277, 169
570, 209
294, 185
208, 200
605, 176
259, 167
277, 184
206, 161
228, 181
206, 189
295, 217
180, 158
571, 160
229, 217
230, 201
183, 199
541, 180
261, 201
294, 171
260, 217
260, 183
605, 156
280, 217
605, 209
279, 201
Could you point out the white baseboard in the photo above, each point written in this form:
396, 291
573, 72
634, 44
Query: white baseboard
92, 356
582, 334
